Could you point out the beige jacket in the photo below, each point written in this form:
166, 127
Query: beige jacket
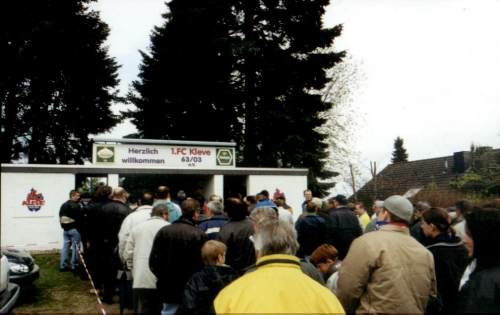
387, 271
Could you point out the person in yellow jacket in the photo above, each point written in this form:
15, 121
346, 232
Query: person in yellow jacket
363, 217
277, 285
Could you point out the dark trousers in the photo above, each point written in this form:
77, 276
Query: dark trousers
146, 301
106, 269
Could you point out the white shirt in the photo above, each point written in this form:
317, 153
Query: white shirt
470, 268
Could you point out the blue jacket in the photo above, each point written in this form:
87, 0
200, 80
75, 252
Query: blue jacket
212, 226
264, 203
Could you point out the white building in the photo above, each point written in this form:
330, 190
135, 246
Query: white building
31, 195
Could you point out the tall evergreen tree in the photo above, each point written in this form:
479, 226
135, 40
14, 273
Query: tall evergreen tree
242, 70
185, 88
286, 60
399, 154
57, 80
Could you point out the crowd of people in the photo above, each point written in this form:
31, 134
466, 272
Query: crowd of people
248, 254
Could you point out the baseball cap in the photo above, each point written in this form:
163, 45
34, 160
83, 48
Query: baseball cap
399, 206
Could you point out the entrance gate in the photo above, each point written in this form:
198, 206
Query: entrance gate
31, 195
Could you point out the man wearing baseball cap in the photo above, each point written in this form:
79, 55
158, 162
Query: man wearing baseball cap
388, 271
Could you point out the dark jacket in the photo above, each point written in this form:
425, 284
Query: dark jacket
481, 294
108, 219
240, 251
450, 261
203, 287
416, 232
175, 257
72, 210
213, 225
311, 233
343, 227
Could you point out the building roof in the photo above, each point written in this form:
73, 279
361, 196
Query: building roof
400, 178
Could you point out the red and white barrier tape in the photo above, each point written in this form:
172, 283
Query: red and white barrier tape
99, 302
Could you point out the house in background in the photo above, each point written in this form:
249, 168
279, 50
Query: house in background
414, 178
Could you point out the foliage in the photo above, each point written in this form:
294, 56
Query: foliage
438, 198
245, 71
342, 121
185, 88
483, 177
57, 80
399, 154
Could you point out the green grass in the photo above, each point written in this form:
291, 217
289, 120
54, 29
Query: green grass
58, 292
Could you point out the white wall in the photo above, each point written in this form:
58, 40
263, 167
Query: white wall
292, 186
22, 228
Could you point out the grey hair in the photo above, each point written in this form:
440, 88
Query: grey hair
279, 238
264, 216
159, 210
317, 202
216, 207
215, 197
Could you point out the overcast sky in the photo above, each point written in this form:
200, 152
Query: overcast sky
431, 69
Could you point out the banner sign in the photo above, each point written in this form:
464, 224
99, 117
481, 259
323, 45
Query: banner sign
162, 156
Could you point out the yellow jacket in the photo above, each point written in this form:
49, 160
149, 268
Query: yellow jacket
277, 286
364, 219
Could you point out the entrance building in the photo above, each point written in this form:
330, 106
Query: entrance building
31, 195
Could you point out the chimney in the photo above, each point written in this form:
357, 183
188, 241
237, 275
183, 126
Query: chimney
461, 161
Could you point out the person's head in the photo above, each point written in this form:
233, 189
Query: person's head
190, 208
147, 198
279, 238
398, 210
308, 195
324, 257
420, 207
181, 195
378, 206
215, 207
482, 235
162, 192
462, 207
235, 209
161, 211
215, 197
359, 208
280, 201
74, 195
331, 203
213, 253
263, 216
263, 195
436, 221
199, 195
314, 205
340, 201
250, 200
103, 193
278, 194
119, 194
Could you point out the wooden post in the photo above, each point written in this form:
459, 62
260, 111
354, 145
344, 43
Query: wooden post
373, 171
353, 182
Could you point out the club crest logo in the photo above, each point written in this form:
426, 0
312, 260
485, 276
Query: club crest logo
34, 201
